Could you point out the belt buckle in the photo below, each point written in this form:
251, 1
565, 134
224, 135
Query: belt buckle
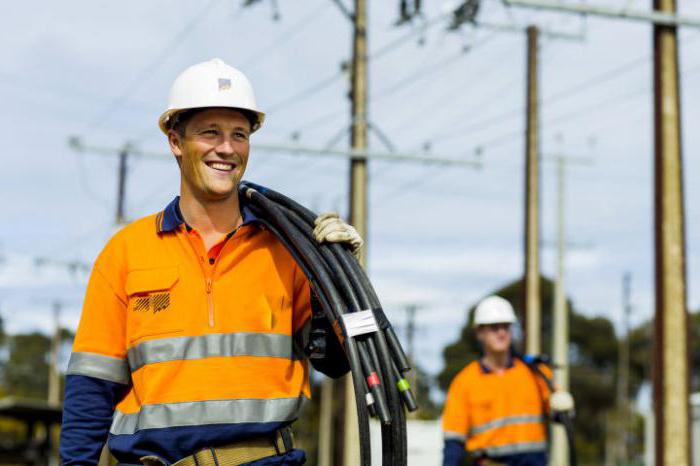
152, 460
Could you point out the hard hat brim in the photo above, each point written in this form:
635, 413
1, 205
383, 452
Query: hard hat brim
492, 322
167, 115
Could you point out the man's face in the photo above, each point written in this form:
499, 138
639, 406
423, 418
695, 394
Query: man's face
213, 153
495, 338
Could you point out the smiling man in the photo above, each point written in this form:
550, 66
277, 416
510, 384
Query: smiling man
190, 345
495, 408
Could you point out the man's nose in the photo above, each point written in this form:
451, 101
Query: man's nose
225, 147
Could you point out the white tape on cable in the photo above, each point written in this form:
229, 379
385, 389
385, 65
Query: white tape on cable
359, 323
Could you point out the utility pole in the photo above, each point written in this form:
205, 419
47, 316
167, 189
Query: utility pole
560, 340
121, 184
54, 395
532, 223
671, 381
124, 152
623, 361
358, 197
560, 347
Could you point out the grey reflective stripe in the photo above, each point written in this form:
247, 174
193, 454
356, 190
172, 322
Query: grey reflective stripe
511, 449
99, 366
505, 421
454, 436
271, 345
198, 413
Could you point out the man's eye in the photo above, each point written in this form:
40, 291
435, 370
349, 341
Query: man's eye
210, 132
241, 135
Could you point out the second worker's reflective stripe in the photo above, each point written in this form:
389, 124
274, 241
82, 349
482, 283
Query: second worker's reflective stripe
454, 436
504, 421
207, 412
99, 366
511, 449
271, 345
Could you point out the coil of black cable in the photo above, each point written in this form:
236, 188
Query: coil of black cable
377, 362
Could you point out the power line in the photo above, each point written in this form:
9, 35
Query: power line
402, 40
148, 70
425, 71
450, 95
287, 34
327, 81
307, 92
513, 136
420, 74
559, 96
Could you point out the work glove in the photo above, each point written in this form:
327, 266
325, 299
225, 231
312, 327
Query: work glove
330, 228
561, 401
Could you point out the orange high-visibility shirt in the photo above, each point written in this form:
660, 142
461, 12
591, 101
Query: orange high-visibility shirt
497, 413
207, 344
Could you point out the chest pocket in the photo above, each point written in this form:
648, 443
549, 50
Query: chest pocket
151, 307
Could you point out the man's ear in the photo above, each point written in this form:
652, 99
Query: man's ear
175, 143
478, 335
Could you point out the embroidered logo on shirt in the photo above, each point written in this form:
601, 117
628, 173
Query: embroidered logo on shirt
155, 302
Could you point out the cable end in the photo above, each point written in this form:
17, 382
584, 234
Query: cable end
407, 394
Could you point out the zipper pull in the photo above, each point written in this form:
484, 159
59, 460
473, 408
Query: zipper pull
208, 285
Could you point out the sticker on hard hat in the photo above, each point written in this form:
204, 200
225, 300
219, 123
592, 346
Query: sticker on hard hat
224, 84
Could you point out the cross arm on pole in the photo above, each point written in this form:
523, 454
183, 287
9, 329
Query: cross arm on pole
409, 157
579, 37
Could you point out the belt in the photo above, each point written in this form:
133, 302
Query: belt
236, 453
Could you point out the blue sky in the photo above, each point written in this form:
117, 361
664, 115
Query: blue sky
439, 237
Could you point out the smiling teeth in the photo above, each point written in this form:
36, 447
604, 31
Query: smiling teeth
221, 166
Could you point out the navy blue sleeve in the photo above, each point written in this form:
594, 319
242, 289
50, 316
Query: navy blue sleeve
87, 415
323, 349
453, 453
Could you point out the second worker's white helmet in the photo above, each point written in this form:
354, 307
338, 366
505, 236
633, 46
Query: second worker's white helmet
494, 310
211, 83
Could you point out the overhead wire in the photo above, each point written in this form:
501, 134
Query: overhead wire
286, 35
556, 97
512, 137
420, 74
148, 70
561, 95
456, 91
330, 79
306, 92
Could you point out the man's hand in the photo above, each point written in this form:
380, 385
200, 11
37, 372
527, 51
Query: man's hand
330, 228
561, 401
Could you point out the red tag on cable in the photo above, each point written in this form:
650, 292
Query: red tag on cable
372, 380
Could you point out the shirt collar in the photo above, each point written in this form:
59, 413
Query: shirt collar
486, 370
171, 217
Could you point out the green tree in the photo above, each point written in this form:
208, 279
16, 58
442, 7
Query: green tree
641, 357
26, 371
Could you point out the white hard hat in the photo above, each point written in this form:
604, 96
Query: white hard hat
494, 310
211, 83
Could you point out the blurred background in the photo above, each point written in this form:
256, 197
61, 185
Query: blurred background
83, 83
